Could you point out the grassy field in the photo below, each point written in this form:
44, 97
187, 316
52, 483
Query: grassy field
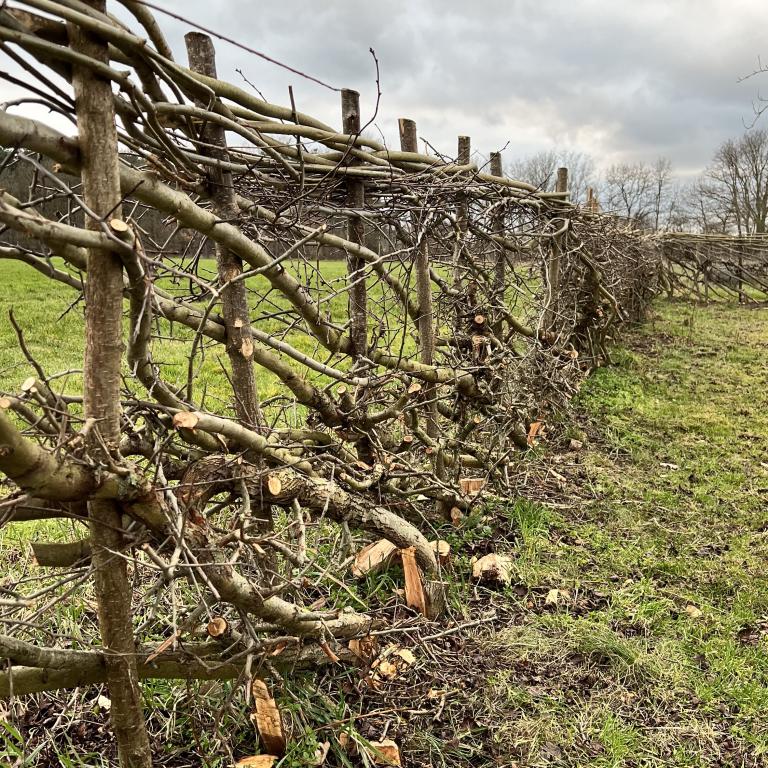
635, 632
53, 328
654, 650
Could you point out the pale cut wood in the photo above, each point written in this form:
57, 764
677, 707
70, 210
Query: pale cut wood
373, 558
274, 486
267, 719
493, 567
414, 587
185, 420
217, 626
118, 226
257, 761
385, 752
471, 485
442, 551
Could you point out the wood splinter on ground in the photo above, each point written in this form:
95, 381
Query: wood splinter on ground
365, 648
414, 587
374, 558
493, 568
442, 550
257, 761
267, 719
385, 752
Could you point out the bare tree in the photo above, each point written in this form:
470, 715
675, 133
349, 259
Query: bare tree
663, 192
737, 179
540, 170
703, 207
628, 191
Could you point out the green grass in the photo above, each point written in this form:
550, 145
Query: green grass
659, 655
655, 653
51, 317
54, 331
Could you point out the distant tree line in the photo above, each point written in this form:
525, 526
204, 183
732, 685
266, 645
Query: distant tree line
729, 196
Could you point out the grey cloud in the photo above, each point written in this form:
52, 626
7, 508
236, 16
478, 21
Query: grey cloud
620, 81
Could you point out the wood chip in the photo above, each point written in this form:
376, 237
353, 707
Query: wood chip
384, 752
321, 752
494, 568
442, 550
406, 655
391, 663
693, 611
374, 558
266, 718
534, 430
414, 587
553, 597
257, 761
365, 648
274, 485
471, 486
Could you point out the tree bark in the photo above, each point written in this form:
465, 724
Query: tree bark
358, 292
103, 353
408, 143
234, 298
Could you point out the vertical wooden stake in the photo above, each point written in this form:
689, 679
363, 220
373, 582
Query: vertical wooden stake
97, 134
499, 277
553, 264
408, 143
462, 211
202, 59
358, 293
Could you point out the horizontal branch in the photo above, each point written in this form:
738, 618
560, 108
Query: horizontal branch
48, 669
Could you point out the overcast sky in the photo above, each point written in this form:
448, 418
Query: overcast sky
618, 80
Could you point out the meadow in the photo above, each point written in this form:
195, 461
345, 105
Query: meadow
635, 630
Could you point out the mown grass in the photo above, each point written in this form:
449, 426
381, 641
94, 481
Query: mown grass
656, 653
51, 317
